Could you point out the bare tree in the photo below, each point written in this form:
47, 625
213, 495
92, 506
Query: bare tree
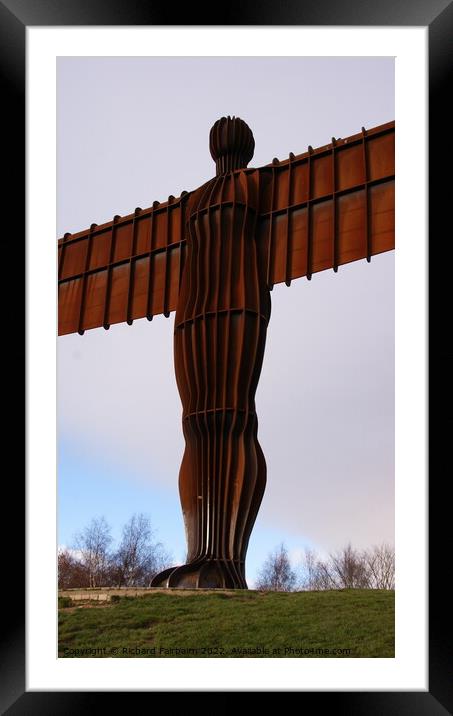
93, 544
316, 573
348, 569
380, 562
276, 574
71, 573
138, 557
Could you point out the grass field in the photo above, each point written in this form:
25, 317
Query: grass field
332, 624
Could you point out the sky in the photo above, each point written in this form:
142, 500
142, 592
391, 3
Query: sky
133, 130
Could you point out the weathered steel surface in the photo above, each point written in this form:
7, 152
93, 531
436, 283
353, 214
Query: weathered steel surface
214, 255
220, 332
329, 206
317, 210
125, 269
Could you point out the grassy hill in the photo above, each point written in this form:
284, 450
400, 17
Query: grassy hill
331, 624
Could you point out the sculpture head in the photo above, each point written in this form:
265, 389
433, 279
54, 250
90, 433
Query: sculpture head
231, 144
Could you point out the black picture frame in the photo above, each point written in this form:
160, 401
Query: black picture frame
437, 15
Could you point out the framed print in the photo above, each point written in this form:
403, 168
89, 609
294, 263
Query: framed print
21, 24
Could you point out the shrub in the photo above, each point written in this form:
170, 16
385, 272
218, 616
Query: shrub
64, 602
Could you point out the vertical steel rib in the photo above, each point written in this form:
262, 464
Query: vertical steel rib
270, 256
309, 230
130, 290
197, 365
289, 213
211, 483
217, 279
149, 300
181, 239
108, 287
367, 200
84, 280
168, 240
225, 435
334, 208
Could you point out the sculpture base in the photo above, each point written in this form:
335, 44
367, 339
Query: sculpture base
203, 574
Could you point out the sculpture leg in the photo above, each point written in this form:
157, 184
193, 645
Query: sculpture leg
222, 478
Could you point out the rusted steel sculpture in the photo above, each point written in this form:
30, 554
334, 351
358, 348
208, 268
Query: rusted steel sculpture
214, 254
